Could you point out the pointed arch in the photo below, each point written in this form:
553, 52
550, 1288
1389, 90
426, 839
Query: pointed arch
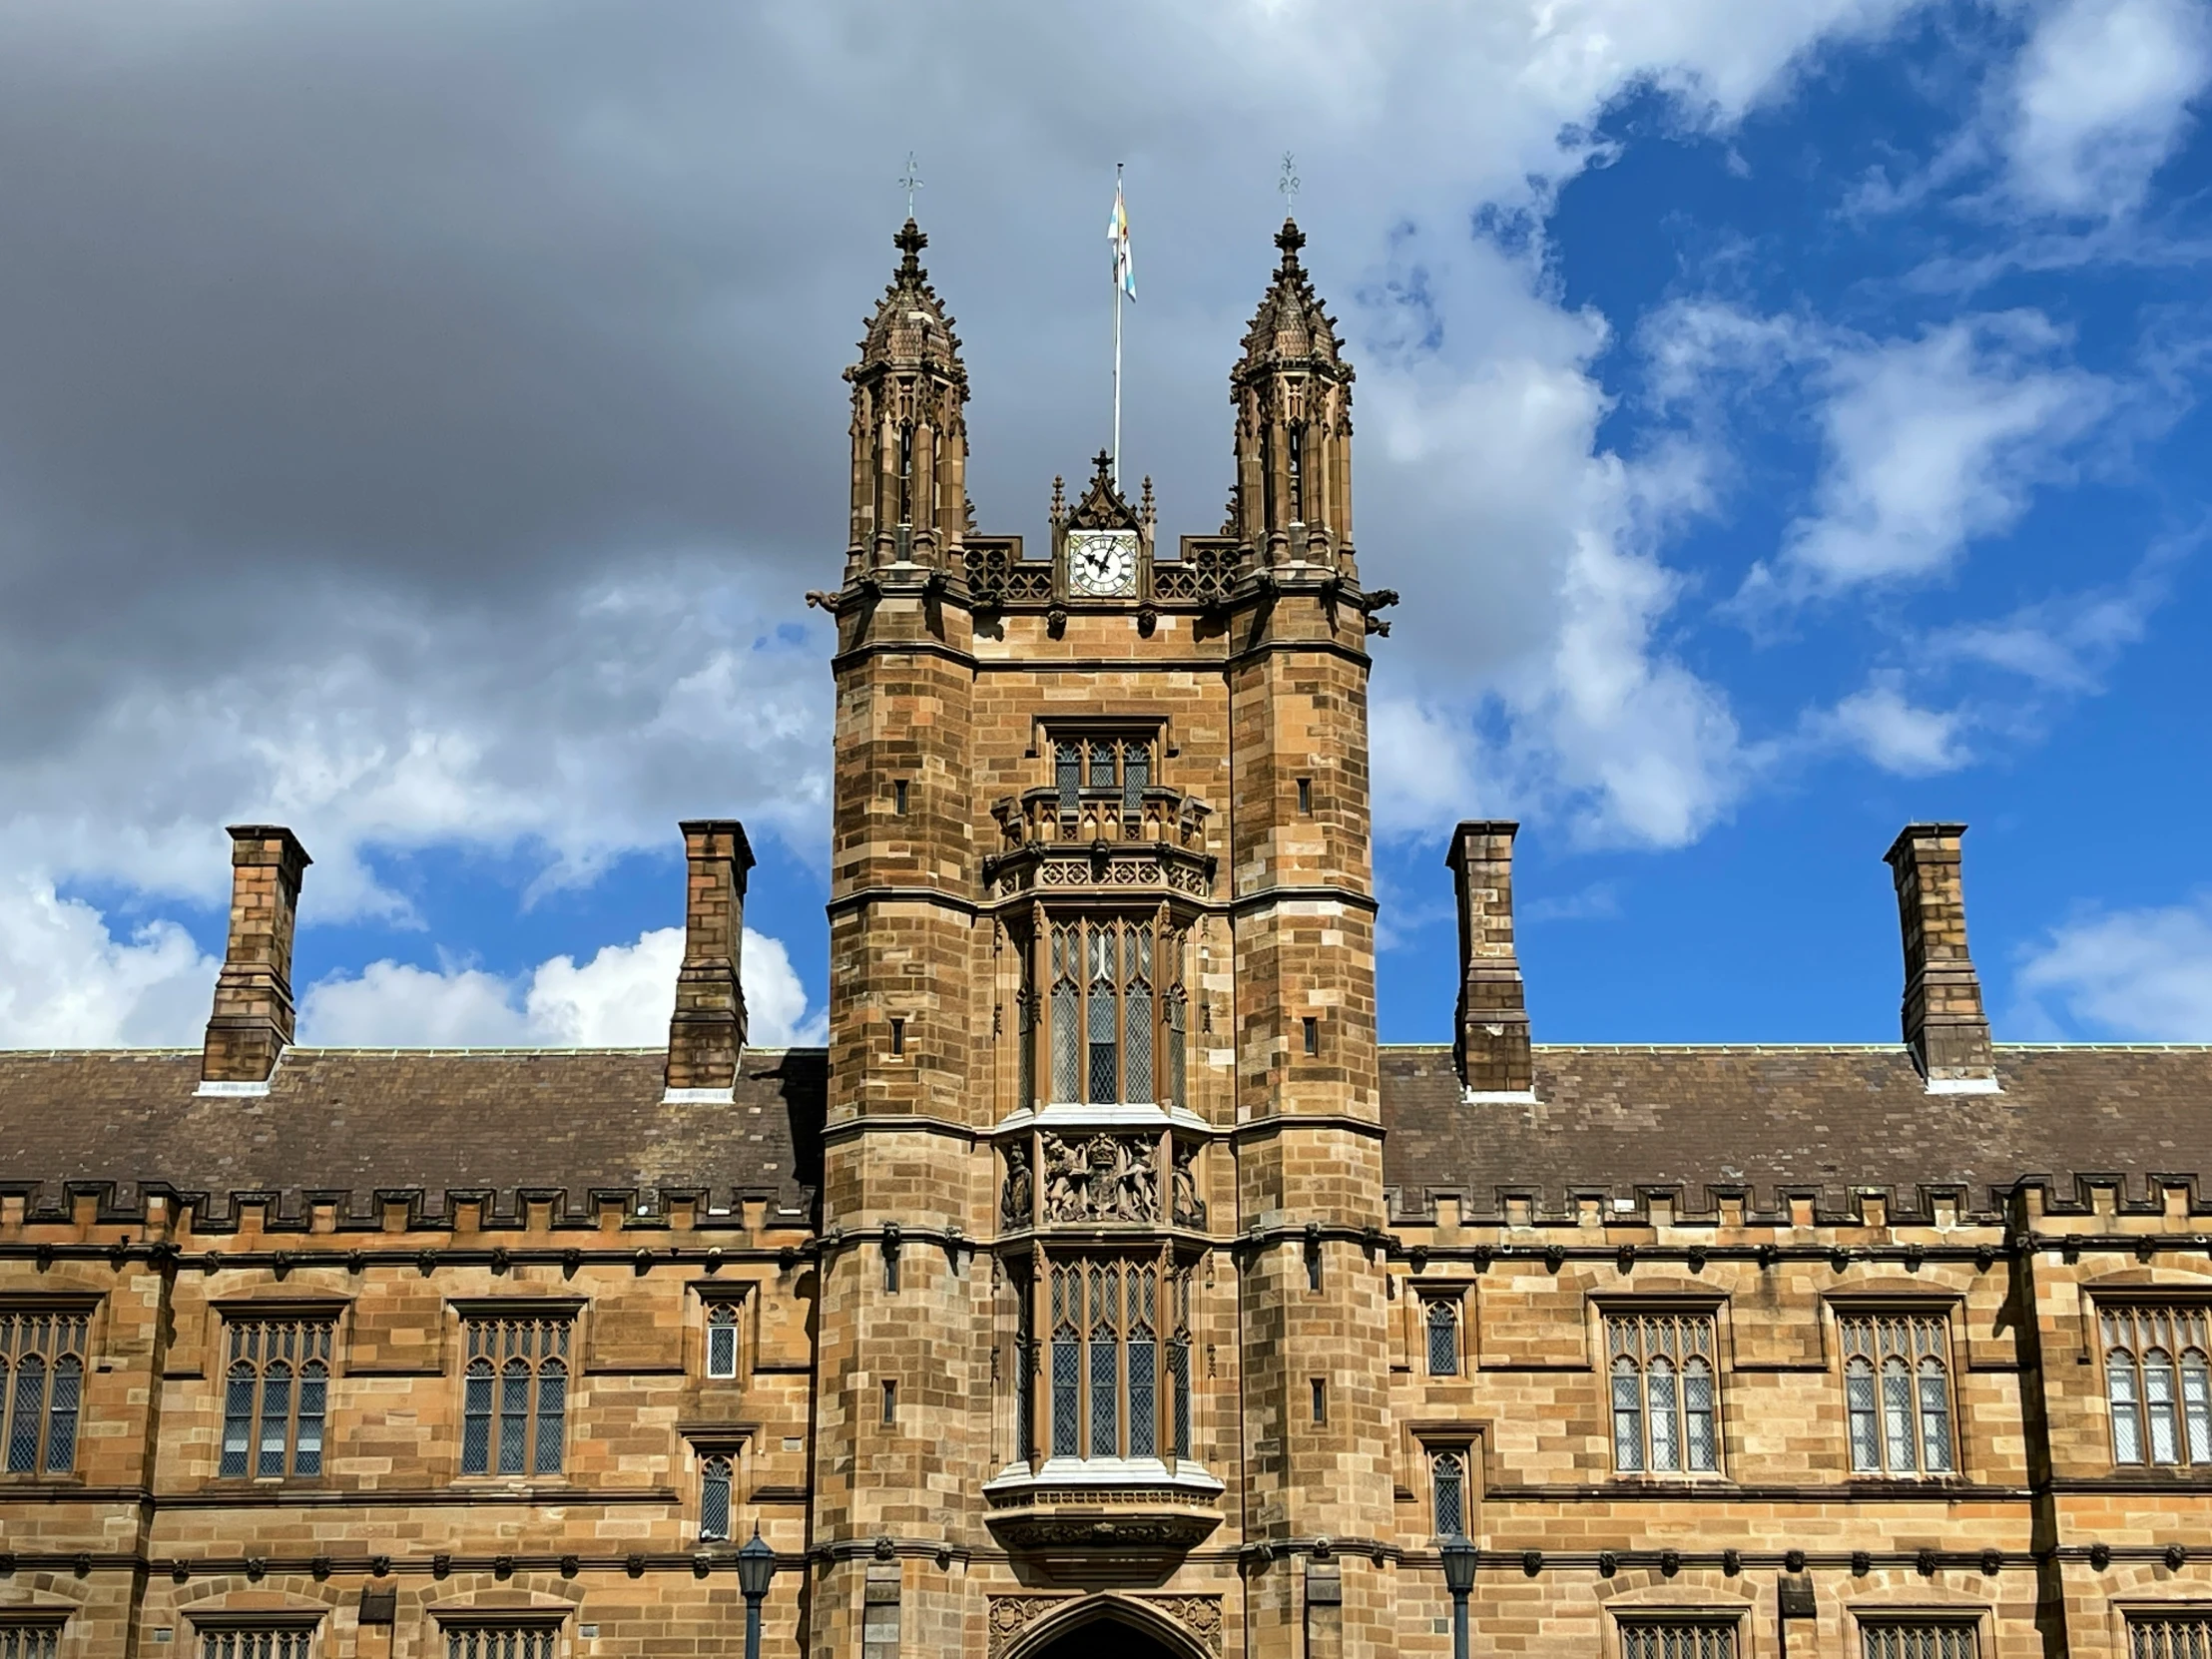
1106, 1608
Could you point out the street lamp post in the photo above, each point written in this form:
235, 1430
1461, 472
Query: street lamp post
1458, 1554
756, 1566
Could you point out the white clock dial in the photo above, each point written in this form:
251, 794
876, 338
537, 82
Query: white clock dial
1103, 562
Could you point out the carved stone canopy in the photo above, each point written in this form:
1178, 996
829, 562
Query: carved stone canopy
1102, 505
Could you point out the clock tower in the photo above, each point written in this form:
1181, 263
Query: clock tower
1100, 1295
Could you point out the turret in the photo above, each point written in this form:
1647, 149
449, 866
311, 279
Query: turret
1292, 390
909, 435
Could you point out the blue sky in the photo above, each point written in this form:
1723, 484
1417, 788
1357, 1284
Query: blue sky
1782, 421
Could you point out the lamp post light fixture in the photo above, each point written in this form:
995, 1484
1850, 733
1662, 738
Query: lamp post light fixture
756, 1566
1459, 1559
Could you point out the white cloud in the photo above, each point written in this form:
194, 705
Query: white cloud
1898, 735
67, 983
2141, 973
2101, 98
502, 548
621, 998
1933, 443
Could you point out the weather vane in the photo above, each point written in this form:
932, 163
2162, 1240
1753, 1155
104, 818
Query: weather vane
913, 180
1289, 184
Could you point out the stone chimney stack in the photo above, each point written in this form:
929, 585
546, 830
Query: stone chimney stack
252, 1022
1945, 1026
1490, 1043
708, 1032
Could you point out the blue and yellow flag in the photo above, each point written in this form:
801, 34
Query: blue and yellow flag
1117, 232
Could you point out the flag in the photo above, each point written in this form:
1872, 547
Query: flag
1117, 232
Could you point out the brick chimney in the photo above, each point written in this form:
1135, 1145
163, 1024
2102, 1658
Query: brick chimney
252, 1022
708, 1032
1945, 1026
1490, 1044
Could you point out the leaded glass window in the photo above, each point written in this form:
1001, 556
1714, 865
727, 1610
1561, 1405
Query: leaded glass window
1110, 1369
42, 1379
2157, 1383
276, 1392
1896, 1394
1104, 1009
1110, 774
38, 1637
2169, 1636
1679, 1639
1916, 1639
715, 1476
1443, 1337
1663, 1399
721, 1339
515, 1405
257, 1642
499, 1641
1447, 1482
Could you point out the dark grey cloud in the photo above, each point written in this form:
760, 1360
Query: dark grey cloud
422, 419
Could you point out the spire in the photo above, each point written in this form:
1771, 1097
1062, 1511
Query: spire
1292, 390
909, 433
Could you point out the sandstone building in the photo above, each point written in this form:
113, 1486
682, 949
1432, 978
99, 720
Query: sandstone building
1104, 1284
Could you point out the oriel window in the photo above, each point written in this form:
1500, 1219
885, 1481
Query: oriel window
42, 1381
514, 1403
1103, 1012
276, 1392
1109, 1364
1112, 767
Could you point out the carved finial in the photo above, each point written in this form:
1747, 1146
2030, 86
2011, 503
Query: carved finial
1147, 508
1104, 461
911, 242
1289, 239
1060, 497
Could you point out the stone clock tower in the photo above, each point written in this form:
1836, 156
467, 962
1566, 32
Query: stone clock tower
1101, 1301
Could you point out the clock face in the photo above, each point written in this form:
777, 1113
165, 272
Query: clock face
1103, 562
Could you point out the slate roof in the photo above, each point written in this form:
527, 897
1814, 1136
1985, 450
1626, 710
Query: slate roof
1766, 1121
358, 1122
1826, 1120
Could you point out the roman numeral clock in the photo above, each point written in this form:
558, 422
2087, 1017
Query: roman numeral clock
1103, 541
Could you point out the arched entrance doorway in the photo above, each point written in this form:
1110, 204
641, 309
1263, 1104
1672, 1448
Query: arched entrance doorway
1108, 1626
1107, 1638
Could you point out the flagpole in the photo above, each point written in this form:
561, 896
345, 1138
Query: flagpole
1117, 345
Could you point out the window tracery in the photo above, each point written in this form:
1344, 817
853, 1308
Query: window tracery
1896, 1394
1663, 1397
514, 1405
41, 1376
276, 1392
2157, 1382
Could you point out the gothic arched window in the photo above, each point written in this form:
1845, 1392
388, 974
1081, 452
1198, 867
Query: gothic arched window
1443, 1337
42, 1376
721, 1339
1897, 1392
2158, 1385
714, 1499
1448, 1484
516, 1377
275, 1394
1663, 1400
1108, 1018
1109, 1369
